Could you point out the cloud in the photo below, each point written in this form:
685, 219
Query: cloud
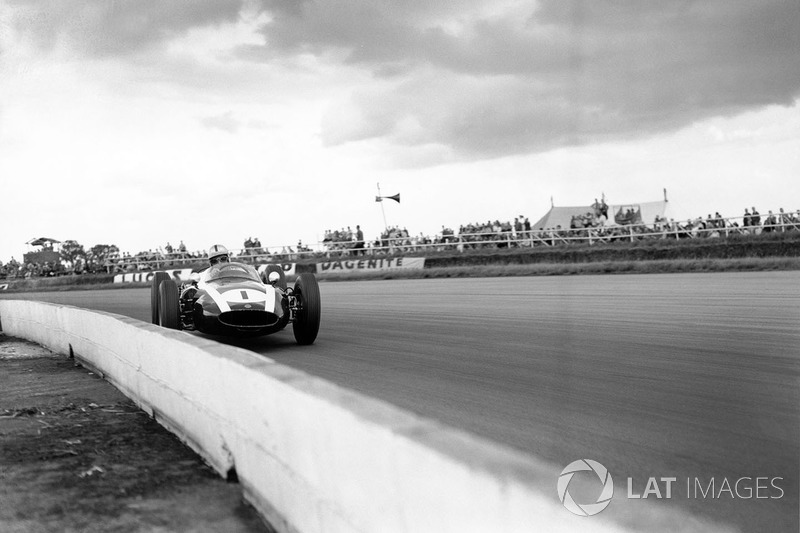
474, 78
491, 79
118, 28
225, 122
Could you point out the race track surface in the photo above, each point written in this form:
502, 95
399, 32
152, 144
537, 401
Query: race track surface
693, 376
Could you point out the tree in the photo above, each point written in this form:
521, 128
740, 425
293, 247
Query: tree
71, 251
101, 254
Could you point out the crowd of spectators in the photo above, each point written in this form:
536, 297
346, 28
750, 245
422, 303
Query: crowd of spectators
25, 270
597, 217
392, 240
338, 240
497, 234
711, 227
114, 262
588, 227
343, 241
252, 247
36, 269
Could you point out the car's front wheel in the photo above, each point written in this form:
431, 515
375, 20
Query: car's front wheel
169, 310
306, 323
158, 277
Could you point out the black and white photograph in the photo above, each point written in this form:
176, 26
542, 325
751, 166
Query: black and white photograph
311, 266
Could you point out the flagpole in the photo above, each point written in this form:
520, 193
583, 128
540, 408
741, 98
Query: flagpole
385, 225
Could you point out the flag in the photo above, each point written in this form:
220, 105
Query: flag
395, 197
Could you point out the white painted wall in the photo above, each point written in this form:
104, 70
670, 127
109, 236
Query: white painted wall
311, 456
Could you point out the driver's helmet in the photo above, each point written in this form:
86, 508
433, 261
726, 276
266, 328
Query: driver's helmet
218, 254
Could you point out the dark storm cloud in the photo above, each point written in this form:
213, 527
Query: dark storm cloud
558, 72
117, 27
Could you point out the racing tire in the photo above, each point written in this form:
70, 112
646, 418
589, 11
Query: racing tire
169, 307
306, 323
276, 268
158, 277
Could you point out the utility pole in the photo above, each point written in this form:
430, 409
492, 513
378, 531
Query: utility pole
379, 198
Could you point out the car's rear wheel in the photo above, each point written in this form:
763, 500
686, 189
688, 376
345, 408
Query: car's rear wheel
276, 268
158, 277
169, 312
306, 323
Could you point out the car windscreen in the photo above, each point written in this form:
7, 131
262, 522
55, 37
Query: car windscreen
232, 271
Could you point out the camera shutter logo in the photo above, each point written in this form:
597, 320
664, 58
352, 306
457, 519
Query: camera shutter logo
587, 509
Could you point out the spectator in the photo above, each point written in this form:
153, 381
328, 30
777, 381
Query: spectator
784, 220
755, 218
448, 235
358, 247
770, 223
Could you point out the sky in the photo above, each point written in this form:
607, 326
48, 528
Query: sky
142, 122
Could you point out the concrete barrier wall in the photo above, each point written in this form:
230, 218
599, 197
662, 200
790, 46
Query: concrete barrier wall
311, 456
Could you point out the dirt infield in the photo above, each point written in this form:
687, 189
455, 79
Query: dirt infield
77, 455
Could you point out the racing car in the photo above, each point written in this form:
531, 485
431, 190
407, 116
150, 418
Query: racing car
232, 299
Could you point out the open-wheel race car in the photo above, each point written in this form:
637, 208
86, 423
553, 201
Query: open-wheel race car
232, 299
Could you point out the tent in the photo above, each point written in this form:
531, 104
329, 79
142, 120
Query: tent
618, 214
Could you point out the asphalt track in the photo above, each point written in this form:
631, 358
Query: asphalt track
692, 376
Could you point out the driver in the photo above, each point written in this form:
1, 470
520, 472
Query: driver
218, 254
